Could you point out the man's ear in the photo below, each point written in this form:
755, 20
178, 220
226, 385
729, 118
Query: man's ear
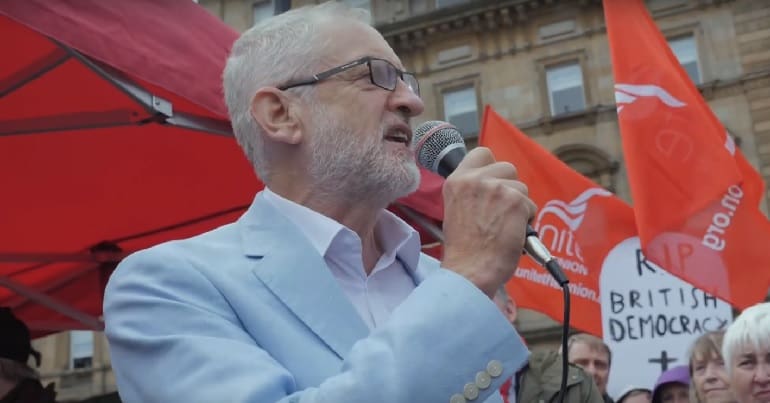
276, 113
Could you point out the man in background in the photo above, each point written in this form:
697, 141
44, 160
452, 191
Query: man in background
593, 355
540, 379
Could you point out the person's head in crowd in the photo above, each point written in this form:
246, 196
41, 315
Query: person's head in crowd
709, 382
672, 386
15, 350
593, 355
506, 304
634, 394
746, 349
322, 108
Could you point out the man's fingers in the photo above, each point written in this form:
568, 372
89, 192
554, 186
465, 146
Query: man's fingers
483, 162
476, 158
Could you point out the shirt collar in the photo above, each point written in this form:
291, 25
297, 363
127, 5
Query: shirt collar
399, 238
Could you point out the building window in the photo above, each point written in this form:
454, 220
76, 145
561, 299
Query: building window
449, 3
81, 349
687, 53
565, 88
417, 7
461, 110
365, 4
263, 10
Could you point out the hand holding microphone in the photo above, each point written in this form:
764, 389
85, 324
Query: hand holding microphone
486, 209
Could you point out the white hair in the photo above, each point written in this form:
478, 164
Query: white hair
271, 53
751, 328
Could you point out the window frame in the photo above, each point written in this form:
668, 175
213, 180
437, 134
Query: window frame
368, 4
256, 3
551, 91
441, 89
698, 63
73, 335
579, 57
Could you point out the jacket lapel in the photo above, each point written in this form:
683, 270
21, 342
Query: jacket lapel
292, 269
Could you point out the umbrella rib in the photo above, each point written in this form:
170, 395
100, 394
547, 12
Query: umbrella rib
423, 221
180, 224
160, 110
33, 71
149, 102
69, 121
50, 302
20, 301
85, 256
26, 269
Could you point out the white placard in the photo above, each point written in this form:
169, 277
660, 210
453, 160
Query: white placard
649, 317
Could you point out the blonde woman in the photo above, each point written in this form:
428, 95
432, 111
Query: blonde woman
707, 370
746, 349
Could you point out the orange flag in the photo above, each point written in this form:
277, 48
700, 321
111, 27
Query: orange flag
578, 220
695, 196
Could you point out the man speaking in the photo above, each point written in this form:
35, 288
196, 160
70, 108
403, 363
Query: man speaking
317, 293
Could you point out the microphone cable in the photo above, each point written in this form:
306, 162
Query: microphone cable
439, 148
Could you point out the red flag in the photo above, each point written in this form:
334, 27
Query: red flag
695, 196
579, 221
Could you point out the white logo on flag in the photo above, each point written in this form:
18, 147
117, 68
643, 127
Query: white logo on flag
560, 235
628, 93
571, 214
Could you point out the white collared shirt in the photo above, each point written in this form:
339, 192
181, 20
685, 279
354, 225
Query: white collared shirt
374, 296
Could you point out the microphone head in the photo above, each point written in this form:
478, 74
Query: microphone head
433, 139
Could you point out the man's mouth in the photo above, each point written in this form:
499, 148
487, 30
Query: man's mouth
400, 134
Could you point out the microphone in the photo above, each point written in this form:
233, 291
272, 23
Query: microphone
440, 148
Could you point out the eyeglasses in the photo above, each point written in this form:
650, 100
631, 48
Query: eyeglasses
382, 73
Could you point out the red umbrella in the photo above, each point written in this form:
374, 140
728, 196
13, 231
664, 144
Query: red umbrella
113, 137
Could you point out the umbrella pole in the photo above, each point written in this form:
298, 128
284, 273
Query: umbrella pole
423, 221
64, 309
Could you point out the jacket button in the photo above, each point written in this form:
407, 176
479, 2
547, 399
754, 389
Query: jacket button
483, 380
457, 398
495, 368
470, 391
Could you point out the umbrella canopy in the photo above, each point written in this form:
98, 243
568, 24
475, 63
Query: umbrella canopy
114, 137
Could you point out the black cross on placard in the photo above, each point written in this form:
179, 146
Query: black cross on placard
663, 360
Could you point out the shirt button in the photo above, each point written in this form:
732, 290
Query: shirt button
470, 391
495, 368
457, 398
483, 380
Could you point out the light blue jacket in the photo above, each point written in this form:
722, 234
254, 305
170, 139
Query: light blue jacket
250, 312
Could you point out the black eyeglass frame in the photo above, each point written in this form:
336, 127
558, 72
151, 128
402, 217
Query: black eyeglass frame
347, 66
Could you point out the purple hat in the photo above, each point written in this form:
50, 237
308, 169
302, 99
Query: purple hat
679, 374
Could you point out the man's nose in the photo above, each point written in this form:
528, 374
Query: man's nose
590, 368
406, 101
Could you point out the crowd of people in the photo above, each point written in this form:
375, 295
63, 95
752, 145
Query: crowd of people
725, 366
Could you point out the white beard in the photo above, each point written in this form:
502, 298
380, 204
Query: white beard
349, 166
